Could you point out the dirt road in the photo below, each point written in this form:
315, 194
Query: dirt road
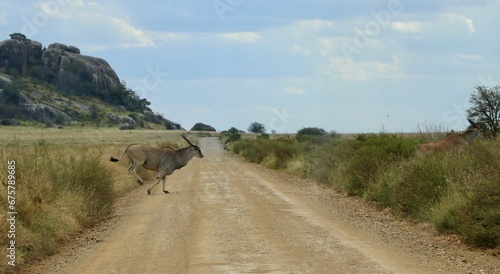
228, 216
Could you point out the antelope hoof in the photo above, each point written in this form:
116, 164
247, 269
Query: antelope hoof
149, 191
166, 191
140, 182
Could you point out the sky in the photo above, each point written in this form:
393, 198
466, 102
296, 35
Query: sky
360, 66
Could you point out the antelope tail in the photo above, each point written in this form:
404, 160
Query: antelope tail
113, 159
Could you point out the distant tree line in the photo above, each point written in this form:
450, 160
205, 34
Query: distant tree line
484, 110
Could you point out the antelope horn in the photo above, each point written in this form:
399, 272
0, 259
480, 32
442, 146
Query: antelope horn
184, 136
472, 123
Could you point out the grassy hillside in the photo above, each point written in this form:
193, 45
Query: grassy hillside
31, 101
457, 191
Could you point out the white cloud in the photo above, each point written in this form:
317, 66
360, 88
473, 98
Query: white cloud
470, 25
332, 45
363, 70
132, 36
170, 36
457, 22
443, 23
314, 24
293, 90
105, 23
411, 27
307, 29
241, 37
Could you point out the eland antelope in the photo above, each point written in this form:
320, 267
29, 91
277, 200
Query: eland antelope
163, 160
451, 140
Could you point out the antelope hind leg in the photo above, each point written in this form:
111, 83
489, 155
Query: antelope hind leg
133, 169
163, 184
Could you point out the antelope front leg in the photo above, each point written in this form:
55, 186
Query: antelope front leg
161, 175
157, 180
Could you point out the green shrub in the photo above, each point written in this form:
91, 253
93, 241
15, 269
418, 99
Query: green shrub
479, 219
252, 150
326, 161
312, 131
283, 152
263, 136
310, 134
372, 155
278, 152
420, 185
231, 135
473, 195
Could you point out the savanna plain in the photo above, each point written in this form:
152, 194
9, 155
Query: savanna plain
330, 204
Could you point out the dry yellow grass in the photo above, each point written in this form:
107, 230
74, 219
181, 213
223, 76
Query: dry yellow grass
86, 135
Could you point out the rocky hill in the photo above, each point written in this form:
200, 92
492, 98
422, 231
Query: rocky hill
59, 85
202, 127
70, 68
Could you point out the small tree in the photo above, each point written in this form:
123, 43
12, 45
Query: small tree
234, 135
19, 36
485, 107
313, 131
256, 127
311, 134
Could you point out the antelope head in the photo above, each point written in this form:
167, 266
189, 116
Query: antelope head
480, 131
196, 149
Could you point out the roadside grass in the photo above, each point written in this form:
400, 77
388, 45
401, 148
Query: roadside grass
457, 191
274, 153
58, 191
65, 182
